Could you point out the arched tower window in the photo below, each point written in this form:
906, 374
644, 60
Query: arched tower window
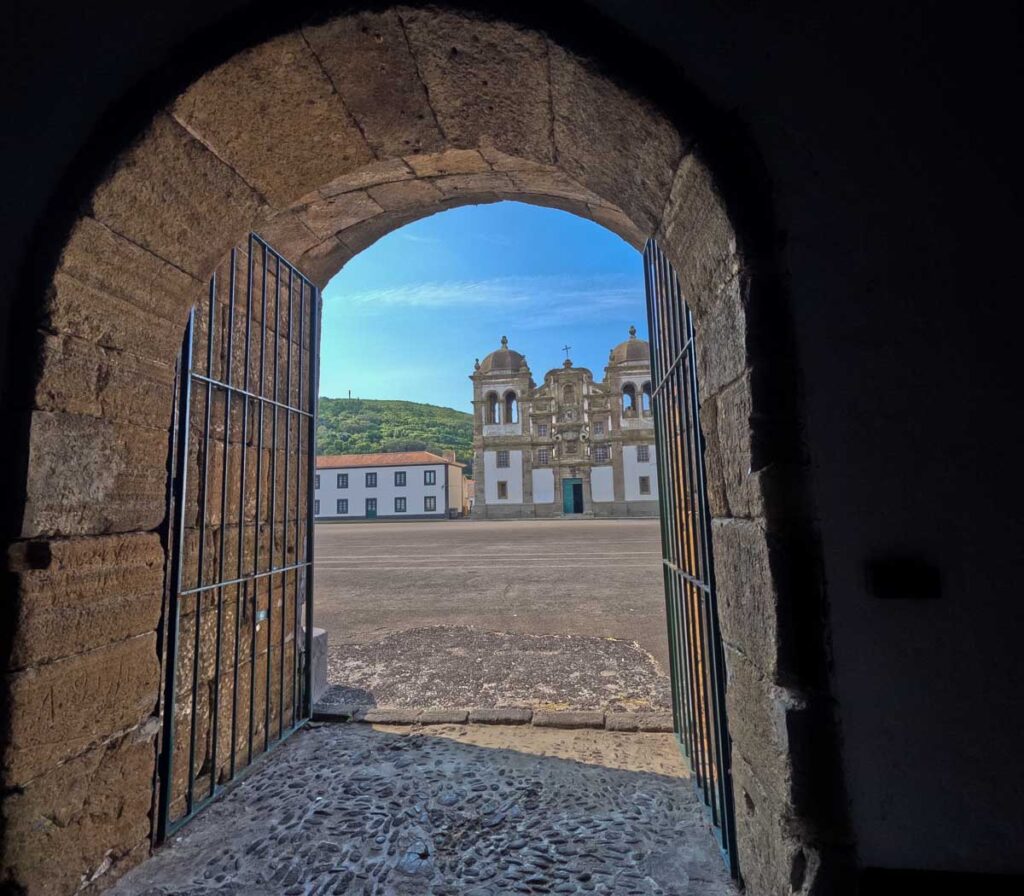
492, 414
629, 400
511, 408
645, 398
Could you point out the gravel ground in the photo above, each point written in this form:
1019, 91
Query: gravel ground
456, 667
464, 811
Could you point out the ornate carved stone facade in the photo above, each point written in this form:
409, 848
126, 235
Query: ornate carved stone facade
569, 447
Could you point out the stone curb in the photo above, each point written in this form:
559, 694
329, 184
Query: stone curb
628, 722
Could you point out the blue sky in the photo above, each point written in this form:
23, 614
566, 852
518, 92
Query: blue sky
407, 317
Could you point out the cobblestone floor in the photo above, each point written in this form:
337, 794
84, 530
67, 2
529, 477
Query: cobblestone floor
350, 809
454, 667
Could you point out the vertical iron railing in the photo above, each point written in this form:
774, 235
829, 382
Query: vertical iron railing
697, 663
237, 634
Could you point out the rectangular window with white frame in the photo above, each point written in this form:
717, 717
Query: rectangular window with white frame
399, 505
543, 455
599, 427
316, 481
343, 480
342, 505
643, 454
542, 430
430, 477
600, 454
399, 478
503, 459
371, 480
316, 508
430, 503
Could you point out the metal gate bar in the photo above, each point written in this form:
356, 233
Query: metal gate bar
255, 586
696, 657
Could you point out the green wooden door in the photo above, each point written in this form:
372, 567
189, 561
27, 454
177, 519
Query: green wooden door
572, 496
371, 508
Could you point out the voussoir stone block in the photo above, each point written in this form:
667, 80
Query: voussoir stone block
487, 81
272, 113
109, 291
383, 172
324, 260
747, 598
77, 594
89, 476
614, 143
405, 194
287, 233
450, 161
61, 709
368, 60
330, 216
697, 235
173, 196
86, 819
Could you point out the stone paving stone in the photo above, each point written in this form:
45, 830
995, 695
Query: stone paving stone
443, 717
451, 667
655, 722
622, 721
568, 719
453, 810
386, 716
502, 715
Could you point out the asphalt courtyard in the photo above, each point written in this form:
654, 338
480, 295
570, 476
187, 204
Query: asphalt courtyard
552, 614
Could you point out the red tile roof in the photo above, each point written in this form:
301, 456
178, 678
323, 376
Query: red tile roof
390, 459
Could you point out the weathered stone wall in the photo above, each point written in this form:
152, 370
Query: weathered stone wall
374, 120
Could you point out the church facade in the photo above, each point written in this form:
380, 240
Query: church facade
570, 447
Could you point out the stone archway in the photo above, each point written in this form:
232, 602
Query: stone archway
323, 140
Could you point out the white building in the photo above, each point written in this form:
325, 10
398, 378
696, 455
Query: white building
569, 447
397, 485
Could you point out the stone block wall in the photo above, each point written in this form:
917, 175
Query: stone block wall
378, 119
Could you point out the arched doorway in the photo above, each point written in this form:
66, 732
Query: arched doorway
374, 119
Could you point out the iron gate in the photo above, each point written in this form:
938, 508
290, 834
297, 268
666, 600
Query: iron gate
695, 644
237, 630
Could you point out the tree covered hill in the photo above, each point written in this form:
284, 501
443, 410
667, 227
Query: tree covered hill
367, 426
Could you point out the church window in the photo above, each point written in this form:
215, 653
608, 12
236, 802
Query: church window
399, 477
601, 454
503, 459
399, 505
316, 508
643, 454
492, 413
342, 505
430, 477
542, 430
371, 480
543, 456
511, 414
343, 480
645, 398
502, 491
629, 400
645, 485
599, 427
430, 502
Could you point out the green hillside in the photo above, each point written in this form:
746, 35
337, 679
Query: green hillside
366, 426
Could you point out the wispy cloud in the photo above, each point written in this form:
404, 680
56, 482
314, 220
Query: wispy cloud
418, 238
540, 301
